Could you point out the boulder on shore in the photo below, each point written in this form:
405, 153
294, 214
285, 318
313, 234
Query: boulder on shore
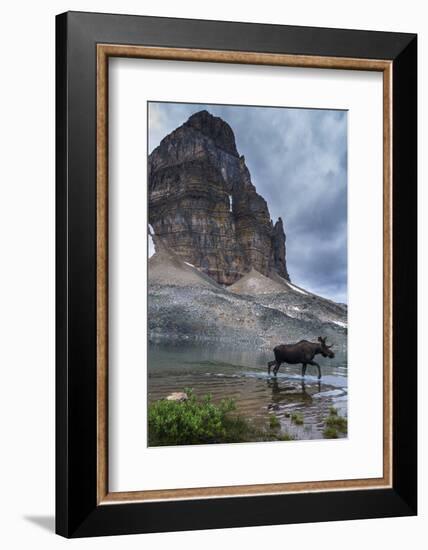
177, 396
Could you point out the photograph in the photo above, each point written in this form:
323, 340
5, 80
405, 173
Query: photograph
247, 274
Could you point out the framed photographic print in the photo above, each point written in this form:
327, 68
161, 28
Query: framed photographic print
236, 274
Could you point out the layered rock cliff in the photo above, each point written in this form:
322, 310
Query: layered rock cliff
203, 205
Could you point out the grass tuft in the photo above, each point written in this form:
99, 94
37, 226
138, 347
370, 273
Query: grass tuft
274, 422
335, 424
330, 433
285, 437
297, 418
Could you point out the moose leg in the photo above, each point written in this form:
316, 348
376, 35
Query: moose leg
303, 370
315, 364
276, 368
270, 365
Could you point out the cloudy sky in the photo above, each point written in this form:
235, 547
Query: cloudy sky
298, 162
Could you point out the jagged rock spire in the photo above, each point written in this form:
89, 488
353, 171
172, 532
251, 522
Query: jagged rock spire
203, 205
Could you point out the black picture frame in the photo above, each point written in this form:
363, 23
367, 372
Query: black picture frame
77, 511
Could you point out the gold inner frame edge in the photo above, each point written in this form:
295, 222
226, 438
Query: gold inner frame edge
104, 51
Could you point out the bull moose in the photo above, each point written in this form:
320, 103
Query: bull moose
302, 352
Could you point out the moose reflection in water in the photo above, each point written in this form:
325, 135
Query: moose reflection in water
291, 391
303, 352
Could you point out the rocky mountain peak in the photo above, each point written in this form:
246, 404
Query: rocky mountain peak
216, 129
204, 206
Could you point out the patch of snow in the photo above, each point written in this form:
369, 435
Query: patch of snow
230, 203
151, 229
151, 247
296, 289
191, 265
340, 323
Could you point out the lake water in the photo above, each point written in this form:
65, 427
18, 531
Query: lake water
241, 374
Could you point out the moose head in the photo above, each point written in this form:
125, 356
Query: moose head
325, 349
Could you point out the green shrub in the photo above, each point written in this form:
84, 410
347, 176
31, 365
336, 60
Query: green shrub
297, 418
339, 423
330, 433
274, 422
188, 422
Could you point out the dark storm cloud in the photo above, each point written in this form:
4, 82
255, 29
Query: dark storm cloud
298, 162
